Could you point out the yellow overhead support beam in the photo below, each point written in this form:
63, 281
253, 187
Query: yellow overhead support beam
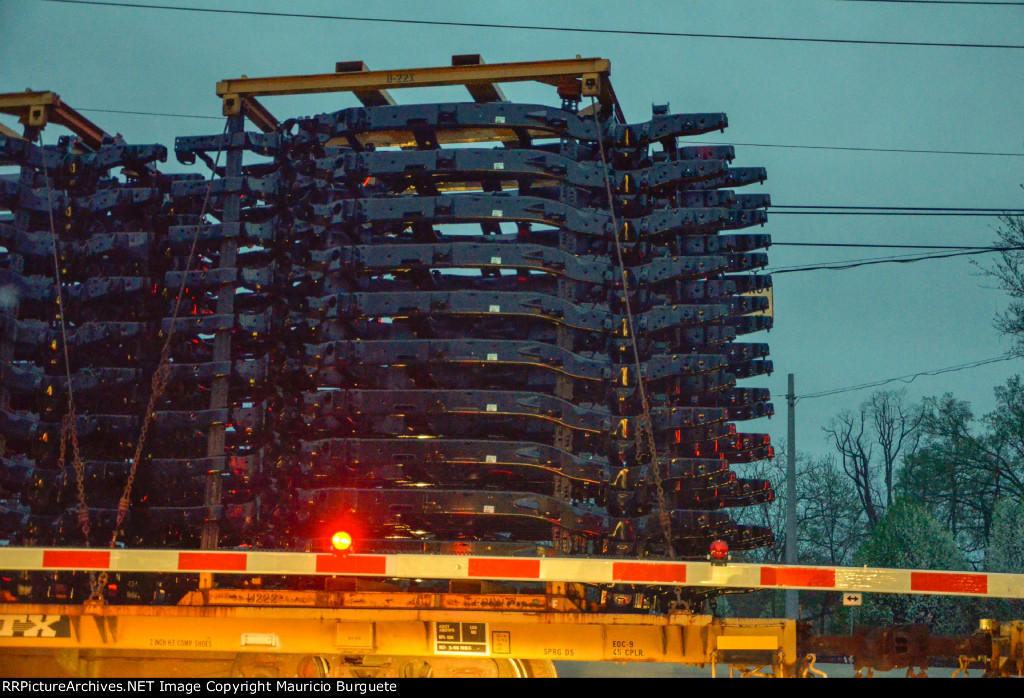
36, 109
582, 77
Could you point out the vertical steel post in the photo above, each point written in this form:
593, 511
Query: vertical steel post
215, 447
792, 597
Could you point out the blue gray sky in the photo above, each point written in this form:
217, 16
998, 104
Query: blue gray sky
833, 329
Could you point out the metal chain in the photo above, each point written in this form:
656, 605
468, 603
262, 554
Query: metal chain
161, 375
645, 431
69, 425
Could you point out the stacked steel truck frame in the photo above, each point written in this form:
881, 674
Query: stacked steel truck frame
417, 322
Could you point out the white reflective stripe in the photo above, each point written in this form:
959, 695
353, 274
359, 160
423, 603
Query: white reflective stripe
21, 558
281, 563
874, 579
143, 560
555, 569
706, 574
1005, 586
431, 566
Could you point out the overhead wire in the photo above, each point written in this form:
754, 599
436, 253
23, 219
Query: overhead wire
537, 27
939, 214
897, 259
899, 208
940, 2
910, 377
862, 149
986, 248
152, 113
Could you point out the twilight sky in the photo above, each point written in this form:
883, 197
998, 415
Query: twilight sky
833, 328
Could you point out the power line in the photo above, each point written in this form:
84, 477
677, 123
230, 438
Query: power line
895, 259
893, 213
941, 2
826, 210
535, 27
900, 208
152, 113
983, 248
856, 149
909, 378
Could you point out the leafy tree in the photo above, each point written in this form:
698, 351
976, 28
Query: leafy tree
963, 467
908, 537
1005, 552
951, 473
1006, 549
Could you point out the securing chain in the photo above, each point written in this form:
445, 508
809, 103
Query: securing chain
161, 377
69, 426
69, 423
645, 429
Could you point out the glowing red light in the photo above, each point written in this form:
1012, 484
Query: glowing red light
341, 541
719, 550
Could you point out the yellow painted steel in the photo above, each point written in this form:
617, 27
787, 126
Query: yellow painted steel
36, 109
543, 71
391, 631
30, 107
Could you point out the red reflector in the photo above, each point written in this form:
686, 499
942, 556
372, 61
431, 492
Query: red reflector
201, 562
351, 564
950, 582
648, 572
77, 559
500, 569
798, 577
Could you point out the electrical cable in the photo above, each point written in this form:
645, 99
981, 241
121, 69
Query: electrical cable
941, 2
984, 248
825, 210
861, 149
536, 27
891, 213
909, 378
902, 208
851, 264
152, 113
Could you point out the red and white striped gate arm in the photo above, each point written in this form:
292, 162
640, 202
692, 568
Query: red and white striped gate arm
544, 569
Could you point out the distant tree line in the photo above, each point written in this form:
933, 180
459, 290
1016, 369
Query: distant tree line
926, 486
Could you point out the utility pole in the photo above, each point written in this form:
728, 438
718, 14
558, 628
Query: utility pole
792, 598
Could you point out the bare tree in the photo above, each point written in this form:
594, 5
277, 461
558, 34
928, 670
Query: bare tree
871, 444
1009, 272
